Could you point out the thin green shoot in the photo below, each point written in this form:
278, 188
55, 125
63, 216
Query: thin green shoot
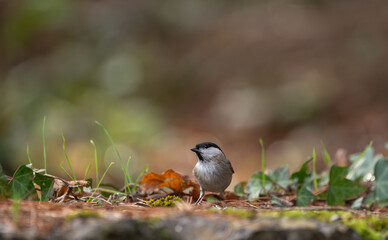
95, 159
28, 154
67, 157
15, 210
325, 155
363, 153
262, 160
314, 169
141, 175
102, 178
109, 191
111, 141
63, 169
44, 144
87, 170
127, 176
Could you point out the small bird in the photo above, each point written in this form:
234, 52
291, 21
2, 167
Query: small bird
213, 170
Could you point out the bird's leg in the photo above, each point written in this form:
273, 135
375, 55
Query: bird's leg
223, 198
202, 193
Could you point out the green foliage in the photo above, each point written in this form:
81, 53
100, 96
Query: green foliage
44, 144
168, 201
314, 169
95, 159
262, 160
99, 183
281, 176
129, 185
342, 182
256, 186
22, 185
357, 203
325, 155
68, 160
303, 172
304, 195
15, 210
341, 188
381, 174
277, 201
363, 164
46, 186
239, 189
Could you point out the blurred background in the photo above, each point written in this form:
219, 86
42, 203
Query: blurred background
163, 76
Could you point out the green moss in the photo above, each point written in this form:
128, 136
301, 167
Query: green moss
237, 212
82, 214
168, 201
369, 227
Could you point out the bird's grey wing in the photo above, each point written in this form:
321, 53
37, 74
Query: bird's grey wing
230, 166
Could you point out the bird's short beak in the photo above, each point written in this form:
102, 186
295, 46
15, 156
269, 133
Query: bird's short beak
195, 150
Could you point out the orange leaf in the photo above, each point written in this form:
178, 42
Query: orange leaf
152, 182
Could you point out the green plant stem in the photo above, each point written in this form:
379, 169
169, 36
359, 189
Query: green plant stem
314, 169
67, 157
98, 185
63, 169
44, 144
95, 159
262, 160
363, 153
28, 154
127, 176
326, 155
87, 170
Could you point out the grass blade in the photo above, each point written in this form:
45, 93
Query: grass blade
140, 176
28, 155
98, 184
262, 160
108, 191
314, 169
363, 153
44, 144
325, 155
67, 157
95, 159
127, 176
61, 166
87, 170
111, 141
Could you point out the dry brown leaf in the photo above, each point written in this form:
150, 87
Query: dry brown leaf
152, 182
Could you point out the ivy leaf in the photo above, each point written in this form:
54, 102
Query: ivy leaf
4, 188
46, 186
357, 204
303, 172
281, 176
381, 174
22, 185
255, 186
363, 164
275, 200
239, 189
341, 188
304, 196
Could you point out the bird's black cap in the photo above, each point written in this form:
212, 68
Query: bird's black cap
203, 145
206, 145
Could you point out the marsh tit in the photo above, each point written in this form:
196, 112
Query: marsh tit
213, 170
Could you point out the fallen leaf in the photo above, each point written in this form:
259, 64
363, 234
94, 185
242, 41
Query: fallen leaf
179, 184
